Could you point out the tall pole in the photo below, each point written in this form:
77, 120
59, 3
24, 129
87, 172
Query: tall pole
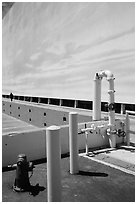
73, 142
97, 98
53, 163
111, 114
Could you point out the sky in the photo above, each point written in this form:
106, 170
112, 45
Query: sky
54, 49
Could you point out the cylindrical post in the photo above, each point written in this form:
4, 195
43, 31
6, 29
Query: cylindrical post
127, 130
122, 108
112, 137
60, 102
97, 99
48, 100
53, 163
86, 135
39, 100
111, 101
75, 104
73, 142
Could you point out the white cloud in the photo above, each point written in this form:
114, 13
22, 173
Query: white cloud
35, 56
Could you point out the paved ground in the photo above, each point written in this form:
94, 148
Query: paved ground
122, 157
14, 125
95, 182
104, 176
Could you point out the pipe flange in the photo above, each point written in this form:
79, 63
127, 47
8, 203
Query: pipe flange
111, 107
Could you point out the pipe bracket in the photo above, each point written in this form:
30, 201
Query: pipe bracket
111, 91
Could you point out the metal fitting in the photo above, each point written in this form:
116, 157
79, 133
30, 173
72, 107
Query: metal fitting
111, 106
121, 133
22, 183
111, 132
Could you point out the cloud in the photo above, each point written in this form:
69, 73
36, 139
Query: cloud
57, 47
29, 65
35, 56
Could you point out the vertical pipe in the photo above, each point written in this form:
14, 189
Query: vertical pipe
97, 99
53, 164
73, 142
127, 130
111, 101
112, 137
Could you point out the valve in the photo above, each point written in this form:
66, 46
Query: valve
111, 106
121, 133
23, 167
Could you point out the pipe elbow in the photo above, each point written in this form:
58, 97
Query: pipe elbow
108, 74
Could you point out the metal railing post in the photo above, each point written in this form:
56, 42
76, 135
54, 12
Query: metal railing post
53, 164
122, 108
73, 142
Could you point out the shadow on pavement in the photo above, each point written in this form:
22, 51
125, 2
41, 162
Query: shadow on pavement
87, 173
34, 190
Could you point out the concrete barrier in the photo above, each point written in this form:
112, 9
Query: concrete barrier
30, 143
33, 143
40, 116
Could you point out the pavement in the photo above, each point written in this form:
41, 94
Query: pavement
95, 182
122, 157
12, 125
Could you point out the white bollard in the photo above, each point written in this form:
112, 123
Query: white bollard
73, 142
127, 130
53, 164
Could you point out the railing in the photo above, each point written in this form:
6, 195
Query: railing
82, 104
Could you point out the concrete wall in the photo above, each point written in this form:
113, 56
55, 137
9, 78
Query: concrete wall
38, 115
33, 143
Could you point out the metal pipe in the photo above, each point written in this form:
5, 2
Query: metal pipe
73, 142
53, 164
97, 98
111, 101
97, 101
